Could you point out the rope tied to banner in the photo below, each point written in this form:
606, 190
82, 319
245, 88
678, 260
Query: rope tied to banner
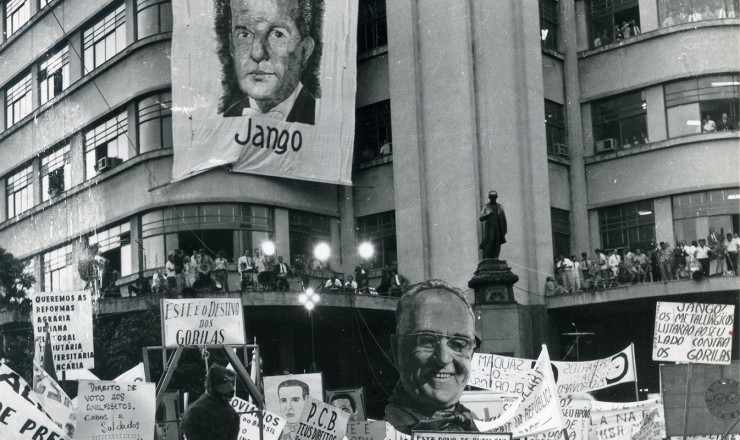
204, 354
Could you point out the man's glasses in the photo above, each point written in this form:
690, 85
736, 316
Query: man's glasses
428, 342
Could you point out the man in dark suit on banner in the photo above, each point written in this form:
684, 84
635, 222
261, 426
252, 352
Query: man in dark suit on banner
265, 47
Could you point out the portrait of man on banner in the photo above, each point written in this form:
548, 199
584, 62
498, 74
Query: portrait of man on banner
270, 53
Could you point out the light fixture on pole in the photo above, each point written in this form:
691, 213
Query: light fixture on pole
322, 251
268, 248
366, 250
309, 299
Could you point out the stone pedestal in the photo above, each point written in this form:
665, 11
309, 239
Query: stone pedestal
493, 282
504, 326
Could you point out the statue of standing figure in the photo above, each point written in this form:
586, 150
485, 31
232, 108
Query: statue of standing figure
494, 227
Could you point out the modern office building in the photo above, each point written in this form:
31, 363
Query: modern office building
588, 117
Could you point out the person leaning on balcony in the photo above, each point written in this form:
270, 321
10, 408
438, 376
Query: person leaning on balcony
552, 288
732, 245
725, 124
702, 254
641, 263
665, 256
708, 125
614, 262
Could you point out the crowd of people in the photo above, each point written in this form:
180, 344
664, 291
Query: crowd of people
661, 262
685, 14
392, 283
622, 31
708, 125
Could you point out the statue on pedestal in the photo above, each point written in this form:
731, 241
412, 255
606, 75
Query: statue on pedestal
494, 227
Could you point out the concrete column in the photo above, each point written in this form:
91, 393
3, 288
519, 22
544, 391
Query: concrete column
407, 119
137, 249
582, 39
579, 195
648, 15
77, 159
593, 227
347, 239
130, 22
133, 129
34, 7
335, 259
36, 179
3, 123
282, 235
3, 200
587, 130
656, 119
76, 69
663, 212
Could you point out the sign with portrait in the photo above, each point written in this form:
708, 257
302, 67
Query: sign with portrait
68, 317
351, 400
265, 87
287, 395
506, 374
693, 332
203, 321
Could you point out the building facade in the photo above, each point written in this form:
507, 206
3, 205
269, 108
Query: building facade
589, 118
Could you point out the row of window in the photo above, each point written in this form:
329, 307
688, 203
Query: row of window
231, 228
632, 225
105, 144
101, 41
697, 105
672, 13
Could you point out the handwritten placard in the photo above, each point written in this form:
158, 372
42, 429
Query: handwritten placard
68, 316
249, 428
116, 409
321, 421
693, 332
504, 374
434, 435
204, 321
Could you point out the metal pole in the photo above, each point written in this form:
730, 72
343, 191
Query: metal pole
686, 403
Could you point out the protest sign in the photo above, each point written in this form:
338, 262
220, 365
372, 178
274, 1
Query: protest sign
651, 428
506, 374
374, 430
135, 374
58, 406
206, 321
355, 397
536, 410
69, 319
693, 332
116, 409
620, 420
321, 421
272, 424
485, 405
433, 435
22, 417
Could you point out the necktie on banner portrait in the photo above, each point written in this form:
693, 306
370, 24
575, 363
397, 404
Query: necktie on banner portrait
506, 374
274, 99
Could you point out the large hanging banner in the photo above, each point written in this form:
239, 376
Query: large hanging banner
693, 332
22, 417
69, 318
265, 87
537, 410
505, 374
202, 321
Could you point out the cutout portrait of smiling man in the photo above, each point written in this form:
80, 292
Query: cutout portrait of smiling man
266, 48
433, 347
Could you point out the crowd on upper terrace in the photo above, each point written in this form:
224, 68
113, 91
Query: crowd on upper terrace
717, 255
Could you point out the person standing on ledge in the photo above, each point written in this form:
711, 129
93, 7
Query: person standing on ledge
432, 348
494, 227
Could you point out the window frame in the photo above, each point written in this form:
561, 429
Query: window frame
18, 93
111, 24
701, 97
608, 9
104, 133
555, 125
629, 219
377, 235
157, 112
661, 6
553, 20
19, 186
12, 28
58, 60
143, 5
372, 22
54, 159
377, 118
623, 112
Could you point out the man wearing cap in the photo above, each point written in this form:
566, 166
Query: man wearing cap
212, 417
432, 347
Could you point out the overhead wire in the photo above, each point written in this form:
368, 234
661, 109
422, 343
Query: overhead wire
132, 146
